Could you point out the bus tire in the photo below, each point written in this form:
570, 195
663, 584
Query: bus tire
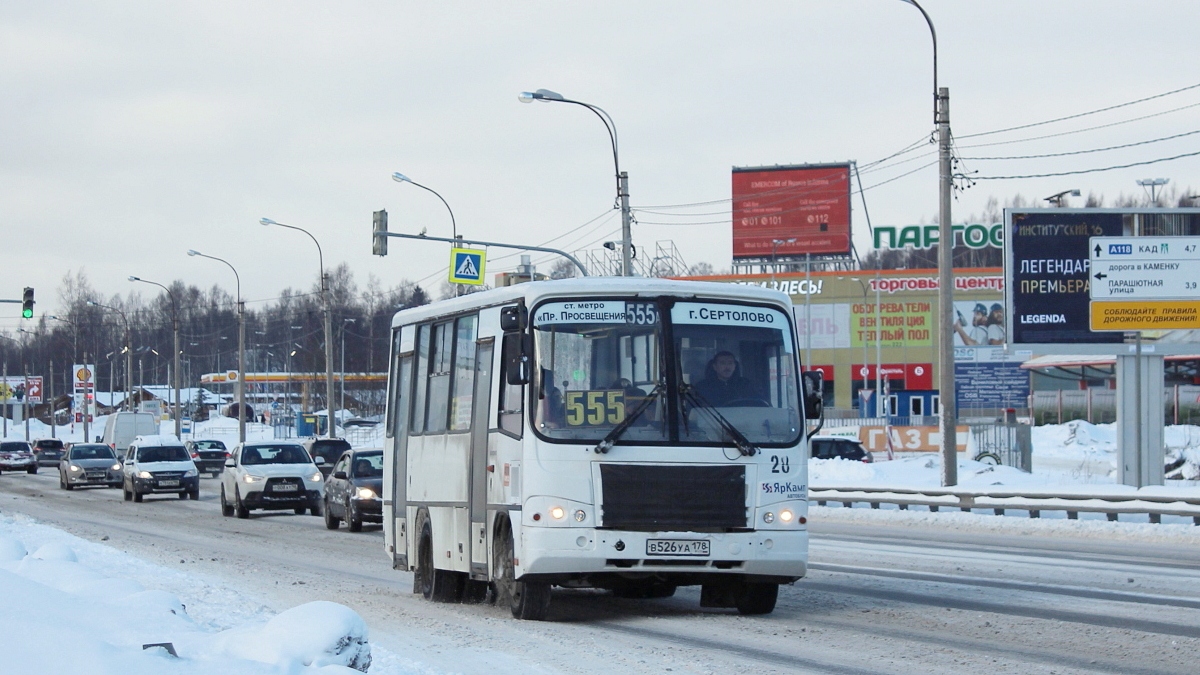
757, 598
435, 585
528, 600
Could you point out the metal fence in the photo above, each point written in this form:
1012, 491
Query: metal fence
1099, 406
1007, 444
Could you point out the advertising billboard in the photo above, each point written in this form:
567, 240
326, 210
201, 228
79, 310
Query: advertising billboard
1047, 274
808, 203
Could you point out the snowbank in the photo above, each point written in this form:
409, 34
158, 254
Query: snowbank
62, 610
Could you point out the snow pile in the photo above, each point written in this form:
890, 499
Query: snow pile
65, 612
1075, 439
314, 634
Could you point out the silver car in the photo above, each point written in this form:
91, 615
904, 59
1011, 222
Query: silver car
89, 464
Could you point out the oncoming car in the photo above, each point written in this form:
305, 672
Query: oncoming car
270, 475
157, 464
89, 464
352, 490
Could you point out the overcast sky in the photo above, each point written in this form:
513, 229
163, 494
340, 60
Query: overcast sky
133, 131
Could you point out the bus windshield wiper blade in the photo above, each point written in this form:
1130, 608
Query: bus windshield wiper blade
607, 443
742, 443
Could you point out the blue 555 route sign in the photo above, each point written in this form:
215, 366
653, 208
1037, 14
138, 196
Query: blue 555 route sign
466, 266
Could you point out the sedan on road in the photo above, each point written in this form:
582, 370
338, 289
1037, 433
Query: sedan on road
208, 455
85, 464
352, 490
17, 456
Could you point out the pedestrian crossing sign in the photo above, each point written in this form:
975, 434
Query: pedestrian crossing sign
466, 266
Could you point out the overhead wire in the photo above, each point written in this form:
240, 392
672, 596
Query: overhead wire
1083, 114
1085, 152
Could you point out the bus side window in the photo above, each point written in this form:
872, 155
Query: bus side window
419, 378
512, 403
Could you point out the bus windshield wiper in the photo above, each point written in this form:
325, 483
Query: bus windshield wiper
607, 443
742, 443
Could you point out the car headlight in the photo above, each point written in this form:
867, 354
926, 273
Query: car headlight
189, 473
76, 469
365, 493
251, 478
144, 474
316, 477
114, 467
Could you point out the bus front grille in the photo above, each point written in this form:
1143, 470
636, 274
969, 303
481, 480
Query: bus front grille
679, 498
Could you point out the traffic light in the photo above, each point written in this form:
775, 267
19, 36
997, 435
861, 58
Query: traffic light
27, 303
379, 233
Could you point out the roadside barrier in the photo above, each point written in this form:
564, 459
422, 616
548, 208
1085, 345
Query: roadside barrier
1000, 501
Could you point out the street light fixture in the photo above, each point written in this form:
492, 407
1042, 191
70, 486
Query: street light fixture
325, 302
547, 96
127, 351
241, 312
1057, 198
175, 363
949, 415
401, 178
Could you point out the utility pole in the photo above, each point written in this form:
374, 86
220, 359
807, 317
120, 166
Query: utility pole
87, 405
949, 419
626, 229
50, 398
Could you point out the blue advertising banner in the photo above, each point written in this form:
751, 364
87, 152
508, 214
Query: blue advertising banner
1048, 279
990, 385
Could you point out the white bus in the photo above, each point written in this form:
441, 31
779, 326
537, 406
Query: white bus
628, 434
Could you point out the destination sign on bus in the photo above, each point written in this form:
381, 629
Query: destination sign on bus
721, 314
597, 311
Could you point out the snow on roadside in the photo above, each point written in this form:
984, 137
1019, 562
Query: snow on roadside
70, 605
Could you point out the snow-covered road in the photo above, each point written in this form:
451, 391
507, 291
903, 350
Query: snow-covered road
884, 596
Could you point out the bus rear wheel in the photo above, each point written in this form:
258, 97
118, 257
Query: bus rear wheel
528, 600
434, 584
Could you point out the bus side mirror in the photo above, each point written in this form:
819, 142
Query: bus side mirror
518, 355
513, 318
814, 400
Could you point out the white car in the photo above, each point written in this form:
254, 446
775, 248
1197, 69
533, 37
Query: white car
156, 464
270, 475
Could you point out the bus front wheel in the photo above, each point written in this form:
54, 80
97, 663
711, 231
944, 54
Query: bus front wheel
757, 598
528, 600
434, 584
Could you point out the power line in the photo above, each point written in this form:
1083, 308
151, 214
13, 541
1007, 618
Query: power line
1083, 114
1080, 131
1081, 171
1084, 152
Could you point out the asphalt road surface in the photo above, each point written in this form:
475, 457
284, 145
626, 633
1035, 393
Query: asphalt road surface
879, 598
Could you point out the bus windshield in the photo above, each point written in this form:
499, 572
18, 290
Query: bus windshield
598, 363
731, 368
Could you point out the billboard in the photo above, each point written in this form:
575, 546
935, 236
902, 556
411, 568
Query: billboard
808, 203
903, 323
1046, 272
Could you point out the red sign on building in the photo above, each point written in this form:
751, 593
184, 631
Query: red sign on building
916, 376
809, 204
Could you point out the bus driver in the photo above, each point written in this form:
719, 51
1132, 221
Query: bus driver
723, 382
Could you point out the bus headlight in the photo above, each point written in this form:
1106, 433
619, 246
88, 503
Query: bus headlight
557, 513
768, 517
580, 516
786, 516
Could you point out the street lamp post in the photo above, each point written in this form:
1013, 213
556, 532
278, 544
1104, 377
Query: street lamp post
325, 302
241, 312
344, 322
70, 374
128, 354
547, 96
949, 417
1057, 198
175, 365
401, 178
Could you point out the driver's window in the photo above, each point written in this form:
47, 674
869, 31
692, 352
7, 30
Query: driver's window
342, 465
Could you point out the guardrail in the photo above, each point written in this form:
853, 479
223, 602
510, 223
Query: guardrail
1152, 505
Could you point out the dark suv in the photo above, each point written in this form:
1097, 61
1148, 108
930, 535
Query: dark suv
208, 455
839, 447
48, 451
325, 451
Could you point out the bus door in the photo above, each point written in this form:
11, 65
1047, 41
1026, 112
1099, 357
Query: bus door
477, 492
399, 496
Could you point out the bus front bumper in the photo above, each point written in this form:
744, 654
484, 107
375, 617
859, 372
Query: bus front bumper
567, 551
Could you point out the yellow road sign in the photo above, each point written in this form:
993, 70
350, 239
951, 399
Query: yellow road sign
1126, 315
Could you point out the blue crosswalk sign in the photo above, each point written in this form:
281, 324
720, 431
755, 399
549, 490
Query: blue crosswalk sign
466, 266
